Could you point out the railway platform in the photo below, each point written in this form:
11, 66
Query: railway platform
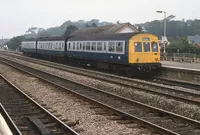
4, 129
179, 65
7, 126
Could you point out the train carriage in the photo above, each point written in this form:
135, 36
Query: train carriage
54, 46
28, 46
127, 51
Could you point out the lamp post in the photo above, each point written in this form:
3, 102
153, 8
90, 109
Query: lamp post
165, 23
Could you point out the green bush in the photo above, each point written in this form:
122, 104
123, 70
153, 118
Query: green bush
182, 46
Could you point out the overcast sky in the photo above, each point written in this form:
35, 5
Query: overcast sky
16, 16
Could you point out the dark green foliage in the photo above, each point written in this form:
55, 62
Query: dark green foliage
182, 46
14, 42
34, 32
175, 28
70, 29
140, 28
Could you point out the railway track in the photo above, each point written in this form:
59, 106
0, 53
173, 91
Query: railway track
29, 117
188, 96
158, 120
179, 83
161, 80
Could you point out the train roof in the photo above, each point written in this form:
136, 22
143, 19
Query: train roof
120, 36
30, 39
51, 38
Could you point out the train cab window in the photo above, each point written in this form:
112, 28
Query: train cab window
88, 46
94, 46
146, 46
154, 47
138, 46
111, 46
99, 46
119, 46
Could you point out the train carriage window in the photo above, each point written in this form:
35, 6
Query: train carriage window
138, 46
119, 46
105, 44
77, 45
69, 46
111, 46
80, 45
51, 45
146, 46
99, 46
74, 45
63, 45
154, 47
59, 45
83, 46
88, 46
94, 46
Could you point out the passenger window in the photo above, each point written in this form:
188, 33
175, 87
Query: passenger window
80, 46
77, 46
74, 45
60, 45
83, 45
138, 47
104, 48
111, 46
87, 45
146, 46
99, 46
154, 47
119, 46
69, 46
93, 46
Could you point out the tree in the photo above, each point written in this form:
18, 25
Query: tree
70, 29
140, 28
170, 17
182, 46
14, 42
94, 25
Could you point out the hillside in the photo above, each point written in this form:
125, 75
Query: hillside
34, 32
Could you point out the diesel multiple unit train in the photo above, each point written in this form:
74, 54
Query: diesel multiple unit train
128, 52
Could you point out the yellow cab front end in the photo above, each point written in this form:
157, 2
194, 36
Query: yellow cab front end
144, 50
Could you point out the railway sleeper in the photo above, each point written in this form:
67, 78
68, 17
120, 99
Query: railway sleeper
125, 121
183, 130
38, 125
23, 128
25, 113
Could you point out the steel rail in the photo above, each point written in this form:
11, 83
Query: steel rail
64, 83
